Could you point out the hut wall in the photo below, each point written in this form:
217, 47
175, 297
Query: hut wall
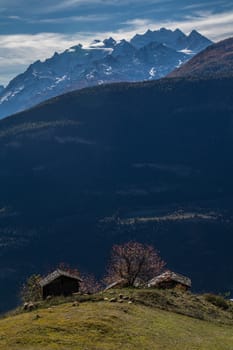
171, 284
61, 286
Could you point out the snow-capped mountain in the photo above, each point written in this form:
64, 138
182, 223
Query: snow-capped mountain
145, 57
176, 40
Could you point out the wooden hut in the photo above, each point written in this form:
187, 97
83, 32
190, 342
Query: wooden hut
170, 279
60, 282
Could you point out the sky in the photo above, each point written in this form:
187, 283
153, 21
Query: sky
35, 29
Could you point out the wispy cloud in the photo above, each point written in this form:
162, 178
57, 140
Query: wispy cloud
19, 50
14, 17
66, 4
52, 6
69, 19
215, 26
201, 5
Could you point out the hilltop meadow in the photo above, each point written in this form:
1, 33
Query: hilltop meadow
127, 318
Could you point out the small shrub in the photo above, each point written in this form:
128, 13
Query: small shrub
31, 290
217, 300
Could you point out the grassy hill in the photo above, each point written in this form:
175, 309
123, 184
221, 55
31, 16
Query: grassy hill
141, 319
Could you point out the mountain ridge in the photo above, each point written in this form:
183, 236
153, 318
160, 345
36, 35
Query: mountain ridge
104, 61
215, 60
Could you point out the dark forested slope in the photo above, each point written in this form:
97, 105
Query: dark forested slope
150, 161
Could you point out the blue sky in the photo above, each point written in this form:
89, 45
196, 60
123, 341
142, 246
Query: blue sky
32, 29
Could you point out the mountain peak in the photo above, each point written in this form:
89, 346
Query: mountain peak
195, 40
195, 33
164, 30
110, 42
102, 61
216, 60
124, 42
179, 32
123, 48
75, 48
174, 39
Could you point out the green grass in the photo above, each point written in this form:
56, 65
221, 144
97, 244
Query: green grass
98, 324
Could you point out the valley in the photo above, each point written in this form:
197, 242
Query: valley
131, 152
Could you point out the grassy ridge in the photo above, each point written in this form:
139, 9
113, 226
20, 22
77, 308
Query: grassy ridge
100, 324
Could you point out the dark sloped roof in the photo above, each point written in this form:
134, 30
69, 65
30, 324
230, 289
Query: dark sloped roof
55, 274
170, 276
119, 283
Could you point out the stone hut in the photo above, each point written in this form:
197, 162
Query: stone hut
170, 280
58, 283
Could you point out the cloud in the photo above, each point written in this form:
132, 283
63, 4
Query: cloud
69, 19
204, 4
52, 6
214, 26
66, 4
14, 17
19, 50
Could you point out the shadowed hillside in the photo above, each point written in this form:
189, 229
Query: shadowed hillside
150, 161
215, 60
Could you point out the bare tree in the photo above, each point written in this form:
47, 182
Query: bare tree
89, 284
133, 261
67, 268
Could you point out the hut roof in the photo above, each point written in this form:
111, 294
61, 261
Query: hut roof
55, 274
170, 276
119, 283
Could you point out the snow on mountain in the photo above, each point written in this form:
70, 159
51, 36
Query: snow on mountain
215, 61
145, 57
163, 35
173, 39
